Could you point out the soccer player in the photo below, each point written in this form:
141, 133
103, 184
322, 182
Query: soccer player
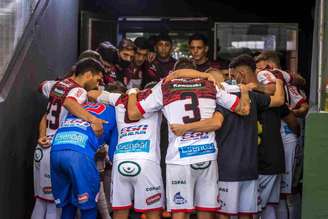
64, 96
136, 174
198, 47
191, 167
237, 145
74, 175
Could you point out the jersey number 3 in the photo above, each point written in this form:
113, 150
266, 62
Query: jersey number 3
193, 106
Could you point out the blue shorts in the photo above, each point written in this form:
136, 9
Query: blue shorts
75, 179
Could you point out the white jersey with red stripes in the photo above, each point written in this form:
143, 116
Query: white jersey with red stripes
136, 139
57, 92
185, 101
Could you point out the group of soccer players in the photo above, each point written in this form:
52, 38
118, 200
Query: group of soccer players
233, 147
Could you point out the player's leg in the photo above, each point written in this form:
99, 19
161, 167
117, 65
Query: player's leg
122, 192
206, 188
68, 212
149, 190
179, 190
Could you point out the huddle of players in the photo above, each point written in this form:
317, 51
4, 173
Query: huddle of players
188, 101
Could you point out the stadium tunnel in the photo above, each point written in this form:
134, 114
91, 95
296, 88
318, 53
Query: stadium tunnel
53, 33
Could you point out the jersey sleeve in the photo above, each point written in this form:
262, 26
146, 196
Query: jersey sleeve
79, 94
45, 87
287, 77
153, 102
266, 77
108, 98
226, 100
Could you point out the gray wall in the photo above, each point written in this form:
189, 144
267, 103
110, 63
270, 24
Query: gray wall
52, 50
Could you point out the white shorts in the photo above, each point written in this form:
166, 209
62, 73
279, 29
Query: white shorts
238, 198
139, 181
41, 172
190, 187
287, 177
269, 190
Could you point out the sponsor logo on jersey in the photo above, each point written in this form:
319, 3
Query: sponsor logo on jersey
71, 137
153, 199
221, 189
194, 136
83, 198
47, 190
59, 92
133, 130
178, 199
153, 188
196, 150
186, 86
221, 202
133, 146
176, 182
201, 165
79, 123
38, 154
287, 130
129, 168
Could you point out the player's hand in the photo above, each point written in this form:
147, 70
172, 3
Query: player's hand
251, 86
151, 57
101, 154
93, 95
279, 82
211, 78
97, 126
44, 141
178, 129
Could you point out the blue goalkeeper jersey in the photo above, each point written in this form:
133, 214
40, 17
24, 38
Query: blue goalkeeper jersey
76, 134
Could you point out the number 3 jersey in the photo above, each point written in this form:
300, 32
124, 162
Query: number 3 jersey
136, 139
186, 101
57, 92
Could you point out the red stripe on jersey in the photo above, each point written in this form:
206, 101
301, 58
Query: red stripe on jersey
122, 207
202, 88
206, 209
141, 110
299, 103
235, 104
182, 210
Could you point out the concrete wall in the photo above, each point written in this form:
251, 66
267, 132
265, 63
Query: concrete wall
51, 50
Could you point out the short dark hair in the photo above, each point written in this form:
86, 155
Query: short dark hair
163, 37
126, 44
184, 63
224, 64
88, 64
116, 87
142, 43
243, 60
107, 51
198, 36
90, 54
268, 56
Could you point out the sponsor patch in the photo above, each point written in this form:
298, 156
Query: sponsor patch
178, 199
83, 198
153, 199
194, 136
190, 86
179, 182
129, 168
79, 123
38, 154
71, 137
196, 150
153, 188
201, 165
133, 130
133, 146
47, 190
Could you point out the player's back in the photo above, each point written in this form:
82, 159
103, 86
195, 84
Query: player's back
77, 134
186, 101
